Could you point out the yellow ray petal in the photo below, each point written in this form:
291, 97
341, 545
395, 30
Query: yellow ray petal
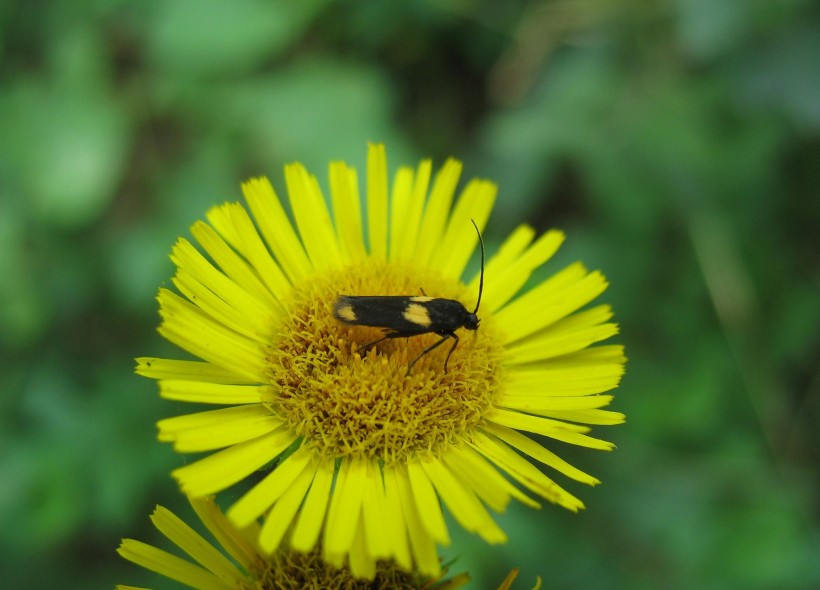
187, 327
597, 417
191, 261
232, 221
400, 205
435, 214
199, 371
429, 509
213, 393
215, 429
240, 545
508, 252
276, 228
501, 416
411, 223
524, 472
509, 273
422, 543
377, 537
459, 241
566, 336
312, 516
362, 564
563, 431
220, 470
395, 523
533, 449
548, 303
312, 217
478, 474
281, 516
347, 210
255, 327
233, 265
536, 404
250, 506
377, 200
202, 551
209, 419
586, 372
171, 566
462, 503
343, 517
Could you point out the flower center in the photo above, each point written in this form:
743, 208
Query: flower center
292, 570
344, 404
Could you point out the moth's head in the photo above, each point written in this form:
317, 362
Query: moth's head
471, 321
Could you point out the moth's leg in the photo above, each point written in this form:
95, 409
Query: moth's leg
452, 348
389, 335
430, 349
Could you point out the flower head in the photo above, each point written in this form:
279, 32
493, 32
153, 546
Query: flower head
365, 453
237, 563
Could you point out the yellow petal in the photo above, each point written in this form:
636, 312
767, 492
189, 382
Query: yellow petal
395, 521
537, 404
215, 429
188, 258
347, 210
220, 470
524, 472
547, 303
400, 208
377, 200
362, 564
411, 223
240, 545
232, 221
202, 551
171, 566
508, 272
586, 372
462, 503
460, 239
426, 500
280, 517
312, 516
563, 431
312, 218
266, 492
233, 265
528, 446
187, 327
377, 536
276, 228
199, 371
436, 212
343, 518
475, 471
213, 393
422, 543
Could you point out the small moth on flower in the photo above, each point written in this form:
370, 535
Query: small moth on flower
404, 316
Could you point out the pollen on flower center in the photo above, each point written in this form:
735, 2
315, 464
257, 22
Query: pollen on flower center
343, 404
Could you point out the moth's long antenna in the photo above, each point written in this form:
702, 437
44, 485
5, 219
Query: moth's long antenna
481, 279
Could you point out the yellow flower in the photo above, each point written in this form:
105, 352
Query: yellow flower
240, 565
355, 453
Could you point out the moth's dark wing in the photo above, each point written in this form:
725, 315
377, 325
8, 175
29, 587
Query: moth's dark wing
378, 312
446, 315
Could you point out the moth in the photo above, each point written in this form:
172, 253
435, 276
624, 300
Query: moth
405, 316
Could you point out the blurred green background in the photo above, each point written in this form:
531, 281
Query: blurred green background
676, 142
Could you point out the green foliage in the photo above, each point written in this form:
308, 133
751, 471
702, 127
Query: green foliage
676, 143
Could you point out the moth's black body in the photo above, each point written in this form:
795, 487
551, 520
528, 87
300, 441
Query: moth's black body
403, 316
